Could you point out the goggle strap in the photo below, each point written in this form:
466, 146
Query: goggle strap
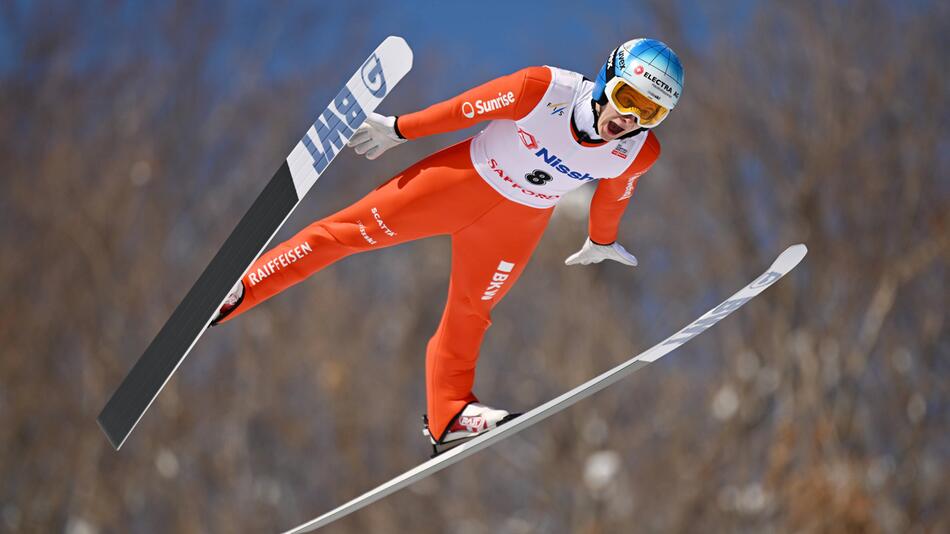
609, 74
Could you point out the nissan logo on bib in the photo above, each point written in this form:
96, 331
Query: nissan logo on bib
480, 106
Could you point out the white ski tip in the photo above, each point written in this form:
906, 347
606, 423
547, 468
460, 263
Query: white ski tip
399, 46
789, 258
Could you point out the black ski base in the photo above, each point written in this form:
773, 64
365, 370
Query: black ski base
186, 324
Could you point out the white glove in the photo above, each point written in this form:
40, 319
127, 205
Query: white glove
594, 253
375, 136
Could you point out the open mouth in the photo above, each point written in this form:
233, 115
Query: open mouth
613, 129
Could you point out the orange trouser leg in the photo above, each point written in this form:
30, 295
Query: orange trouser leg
437, 195
492, 239
488, 256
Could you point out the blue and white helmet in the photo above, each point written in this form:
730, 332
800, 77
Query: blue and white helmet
649, 66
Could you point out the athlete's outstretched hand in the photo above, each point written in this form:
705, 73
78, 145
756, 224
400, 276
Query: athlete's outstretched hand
375, 136
594, 253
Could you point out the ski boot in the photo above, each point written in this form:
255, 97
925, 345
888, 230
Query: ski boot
474, 420
233, 300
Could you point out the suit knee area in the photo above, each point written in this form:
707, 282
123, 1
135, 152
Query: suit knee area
328, 235
470, 311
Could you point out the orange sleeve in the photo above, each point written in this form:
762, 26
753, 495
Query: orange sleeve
613, 194
509, 97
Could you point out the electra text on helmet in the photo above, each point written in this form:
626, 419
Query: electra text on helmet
661, 84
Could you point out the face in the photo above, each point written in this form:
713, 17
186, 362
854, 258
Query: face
612, 125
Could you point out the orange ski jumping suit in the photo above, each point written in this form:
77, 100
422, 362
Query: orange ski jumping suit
473, 191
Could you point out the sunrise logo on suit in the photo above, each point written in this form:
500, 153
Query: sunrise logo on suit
481, 107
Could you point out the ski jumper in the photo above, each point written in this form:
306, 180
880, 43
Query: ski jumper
493, 194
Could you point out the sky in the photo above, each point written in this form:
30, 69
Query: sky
490, 35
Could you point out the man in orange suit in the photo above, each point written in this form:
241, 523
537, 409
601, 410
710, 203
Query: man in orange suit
549, 131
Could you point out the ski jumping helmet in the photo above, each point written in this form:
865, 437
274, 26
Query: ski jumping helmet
648, 66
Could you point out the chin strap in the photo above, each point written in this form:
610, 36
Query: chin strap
583, 136
593, 107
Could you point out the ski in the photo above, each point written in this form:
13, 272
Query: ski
786, 261
384, 68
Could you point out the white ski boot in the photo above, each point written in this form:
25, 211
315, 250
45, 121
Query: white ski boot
474, 420
233, 300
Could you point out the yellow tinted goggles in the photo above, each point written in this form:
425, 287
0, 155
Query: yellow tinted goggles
628, 101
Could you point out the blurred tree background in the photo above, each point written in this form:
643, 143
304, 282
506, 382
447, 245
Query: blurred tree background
133, 135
